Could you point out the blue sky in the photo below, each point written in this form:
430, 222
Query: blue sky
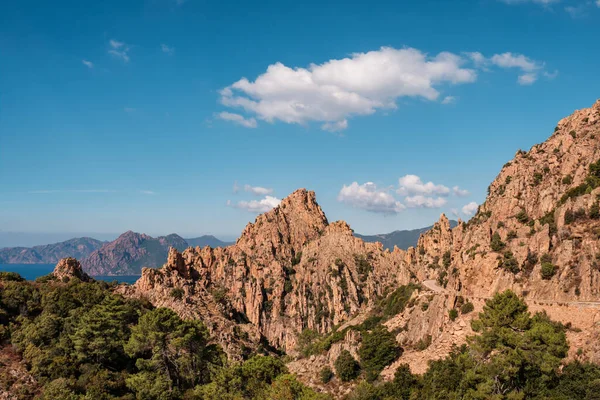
146, 115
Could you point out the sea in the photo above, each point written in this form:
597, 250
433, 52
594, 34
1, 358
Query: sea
32, 271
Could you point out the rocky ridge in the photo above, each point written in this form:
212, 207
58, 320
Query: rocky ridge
536, 234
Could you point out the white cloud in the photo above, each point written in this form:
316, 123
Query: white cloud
148, 192
470, 209
460, 192
478, 58
368, 197
529, 67
581, 10
510, 60
412, 185
129, 110
237, 119
88, 64
455, 212
335, 126
527, 79
540, 2
420, 201
167, 49
332, 92
449, 100
361, 84
257, 206
258, 190
119, 50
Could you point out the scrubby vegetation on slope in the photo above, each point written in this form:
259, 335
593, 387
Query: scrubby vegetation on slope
81, 341
514, 356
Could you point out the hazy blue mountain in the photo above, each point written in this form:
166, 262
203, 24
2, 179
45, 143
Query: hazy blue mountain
403, 239
127, 254
50, 253
207, 240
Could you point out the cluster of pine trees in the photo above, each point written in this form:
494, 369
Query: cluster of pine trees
81, 341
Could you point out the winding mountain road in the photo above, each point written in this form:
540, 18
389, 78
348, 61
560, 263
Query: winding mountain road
434, 287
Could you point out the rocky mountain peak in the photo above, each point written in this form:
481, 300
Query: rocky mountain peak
296, 221
68, 268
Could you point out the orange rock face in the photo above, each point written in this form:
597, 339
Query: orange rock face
291, 270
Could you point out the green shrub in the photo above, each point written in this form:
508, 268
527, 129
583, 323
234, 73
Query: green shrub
572, 216
423, 343
549, 219
447, 259
467, 308
548, 270
395, 302
10, 277
325, 375
509, 263
573, 134
595, 211
177, 293
453, 314
297, 258
511, 235
522, 217
346, 367
567, 180
378, 350
496, 243
362, 266
592, 181
537, 178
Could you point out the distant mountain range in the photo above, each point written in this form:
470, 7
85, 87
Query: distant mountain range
132, 248
127, 254
50, 253
402, 239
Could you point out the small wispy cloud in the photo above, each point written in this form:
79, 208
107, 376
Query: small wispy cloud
460, 192
581, 10
167, 49
88, 64
237, 119
71, 191
257, 190
148, 192
470, 209
539, 2
256, 206
119, 50
129, 110
449, 100
335, 126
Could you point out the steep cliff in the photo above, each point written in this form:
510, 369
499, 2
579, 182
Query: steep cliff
289, 270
